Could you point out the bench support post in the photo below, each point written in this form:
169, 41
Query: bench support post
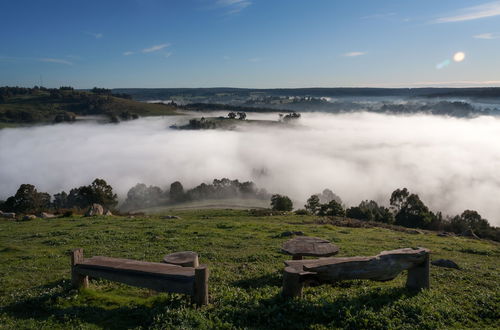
292, 284
200, 296
78, 280
419, 276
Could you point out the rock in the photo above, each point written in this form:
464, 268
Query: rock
28, 217
170, 217
108, 213
95, 209
445, 263
445, 234
45, 215
470, 233
289, 233
8, 215
413, 232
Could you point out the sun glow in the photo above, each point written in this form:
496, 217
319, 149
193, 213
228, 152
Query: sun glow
459, 56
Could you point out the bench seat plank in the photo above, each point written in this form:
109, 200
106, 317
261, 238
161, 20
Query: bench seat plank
135, 266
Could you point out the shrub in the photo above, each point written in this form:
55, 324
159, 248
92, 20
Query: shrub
281, 203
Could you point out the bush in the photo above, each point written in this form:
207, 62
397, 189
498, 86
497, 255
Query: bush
302, 212
281, 203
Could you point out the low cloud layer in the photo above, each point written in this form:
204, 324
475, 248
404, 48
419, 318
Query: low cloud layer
453, 164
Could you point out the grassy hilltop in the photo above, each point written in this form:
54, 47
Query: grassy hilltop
20, 106
243, 254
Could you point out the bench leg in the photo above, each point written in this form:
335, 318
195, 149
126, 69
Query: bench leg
419, 276
201, 285
78, 280
292, 285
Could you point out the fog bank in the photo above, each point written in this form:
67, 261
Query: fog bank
453, 164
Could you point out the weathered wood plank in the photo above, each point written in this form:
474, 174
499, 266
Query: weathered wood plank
382, 267
200, 295
78, 280
309, 246
135, 266
183, 259
157, 282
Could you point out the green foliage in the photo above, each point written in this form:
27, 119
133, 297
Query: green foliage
281, 203
34, 105
177, 192
27, 200
312, 204
370, 211
332, 208
245, 276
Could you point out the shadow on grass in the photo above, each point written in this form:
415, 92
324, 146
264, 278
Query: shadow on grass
341, 312
270, 279
54, 302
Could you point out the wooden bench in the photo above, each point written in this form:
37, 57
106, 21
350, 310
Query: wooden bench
382, 267
160, 277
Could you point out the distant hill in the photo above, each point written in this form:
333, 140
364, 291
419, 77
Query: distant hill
193, 93
34, 105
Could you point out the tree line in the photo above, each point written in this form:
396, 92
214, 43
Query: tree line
406, 210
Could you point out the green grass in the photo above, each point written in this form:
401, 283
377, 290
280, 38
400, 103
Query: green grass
245, 264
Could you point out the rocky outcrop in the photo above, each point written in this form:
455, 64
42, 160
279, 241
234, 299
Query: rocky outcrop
108, 213
94, 210
45, 215
28, 217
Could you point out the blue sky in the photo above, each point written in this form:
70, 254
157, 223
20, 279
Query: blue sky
249, 43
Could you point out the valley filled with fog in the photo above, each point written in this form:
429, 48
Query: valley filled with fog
452, 163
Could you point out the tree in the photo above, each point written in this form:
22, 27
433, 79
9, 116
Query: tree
410, 210
28, 200
60, 200
97, 192
327, 195
281, 203
370, 211
177, 192
242, 115
312, 204
398, 199
332, 208
231, 115
102, 193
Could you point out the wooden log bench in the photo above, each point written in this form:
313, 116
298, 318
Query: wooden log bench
382, 267
160, 277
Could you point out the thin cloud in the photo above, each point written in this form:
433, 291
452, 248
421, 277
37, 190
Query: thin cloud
128, 53
233, 6
168, 54
354, 54
55, 60
379, 16
155, 48
489, 9
486, 36
254, 59
95, 35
